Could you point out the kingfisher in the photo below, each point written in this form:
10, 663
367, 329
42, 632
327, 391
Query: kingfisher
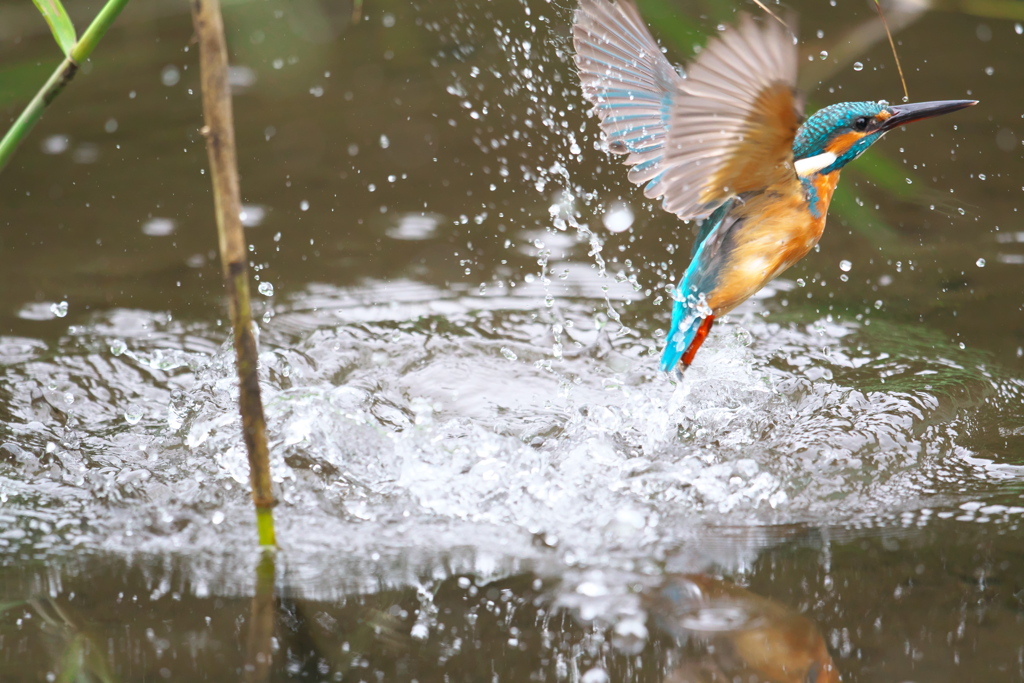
724, 143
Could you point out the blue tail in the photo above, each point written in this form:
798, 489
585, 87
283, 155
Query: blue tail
690, 309
685, 323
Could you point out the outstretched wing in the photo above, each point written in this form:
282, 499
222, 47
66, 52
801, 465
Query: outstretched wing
631, 84
725, 128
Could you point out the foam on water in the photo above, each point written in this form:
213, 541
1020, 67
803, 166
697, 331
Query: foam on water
408, 428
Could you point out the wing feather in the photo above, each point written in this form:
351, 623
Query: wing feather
629, 81
743, 87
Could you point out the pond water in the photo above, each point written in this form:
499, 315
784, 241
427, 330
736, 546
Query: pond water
481, 473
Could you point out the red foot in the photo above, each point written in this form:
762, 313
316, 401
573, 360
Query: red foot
698, 339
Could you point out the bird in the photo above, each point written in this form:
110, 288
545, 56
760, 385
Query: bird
724, 142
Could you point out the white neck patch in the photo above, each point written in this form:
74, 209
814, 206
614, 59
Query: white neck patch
805, 167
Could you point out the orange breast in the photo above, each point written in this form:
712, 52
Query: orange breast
778, 229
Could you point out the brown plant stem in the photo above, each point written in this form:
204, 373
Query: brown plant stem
220, 144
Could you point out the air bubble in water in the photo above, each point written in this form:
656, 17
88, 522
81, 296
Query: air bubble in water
509, 355
266, 289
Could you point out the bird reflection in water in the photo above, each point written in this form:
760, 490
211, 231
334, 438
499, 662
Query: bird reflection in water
727, 633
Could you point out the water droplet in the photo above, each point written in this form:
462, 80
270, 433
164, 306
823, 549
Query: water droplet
133, 414
55, 144
845, 266
240, 78
117, 347
989, 70
266, 289
170, 75
217, 517
158, 227
980, 263
509, 355
252, 215
823, 55
858, 66
384, 142
878, 305
982, 176
800, 282
415, 226
961, 211
304, 205
110, 126
618, 217
60, 310
1018, 29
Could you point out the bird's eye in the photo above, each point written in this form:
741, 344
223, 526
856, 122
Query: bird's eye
861, 123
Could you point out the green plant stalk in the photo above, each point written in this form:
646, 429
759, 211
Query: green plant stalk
265, 526
61, 76
97, 29
220, 146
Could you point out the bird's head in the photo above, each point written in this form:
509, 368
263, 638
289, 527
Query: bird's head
836, 135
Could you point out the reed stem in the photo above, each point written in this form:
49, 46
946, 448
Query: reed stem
220, 146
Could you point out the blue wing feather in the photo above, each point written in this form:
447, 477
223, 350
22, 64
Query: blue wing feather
631, 84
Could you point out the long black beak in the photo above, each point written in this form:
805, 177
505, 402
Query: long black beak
906, 113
